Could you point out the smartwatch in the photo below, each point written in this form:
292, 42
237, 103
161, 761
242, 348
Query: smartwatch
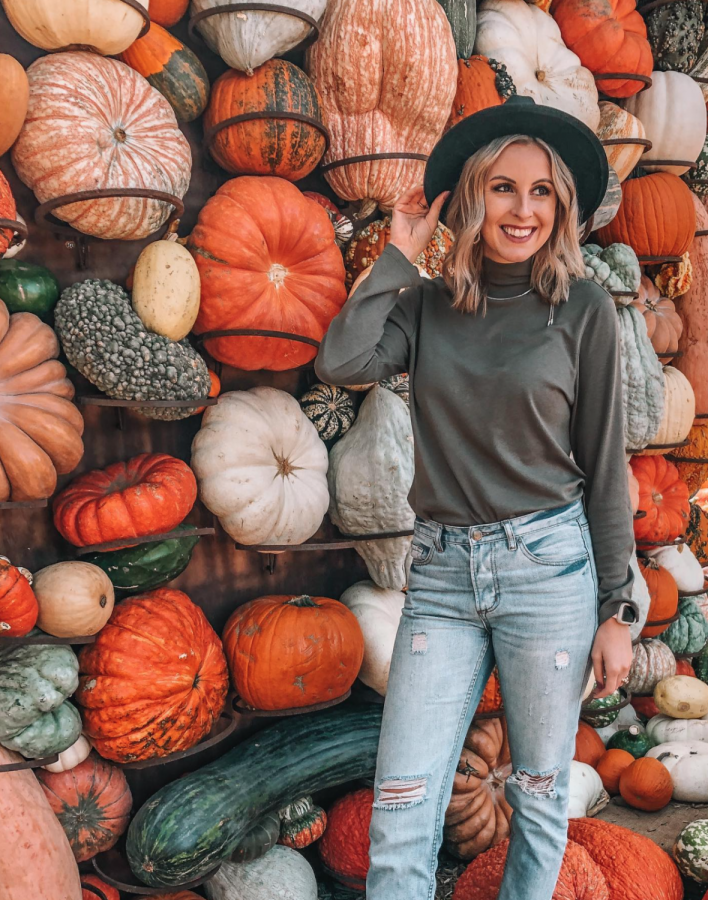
625, 614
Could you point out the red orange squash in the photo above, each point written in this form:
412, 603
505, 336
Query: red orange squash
92, 801
664, 498
588, 745
610, 766
694, 468
646, 784
8, 210
286, 652
18, 604
344, 847
167, 12
155, 680
481, 83
267, 259
149, 494
664, 595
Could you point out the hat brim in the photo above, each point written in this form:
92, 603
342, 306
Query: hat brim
574, 142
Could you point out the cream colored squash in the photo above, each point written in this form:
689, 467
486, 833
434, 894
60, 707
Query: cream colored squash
616, 123
166, 289
379, 612
105, 26
247, 39
586, 795
679, 411
673, 113
74, 598
682, 564
261, 467
528, 42
281, 874
663, 728
687, 763
682, 697
71, 757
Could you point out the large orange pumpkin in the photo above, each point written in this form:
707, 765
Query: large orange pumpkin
149, 494
693, 309
92, 801
588, 745
18, 604
634, 867
579, 879
286, 651
155, 680
481, 83
664, 498
608, 36
663, 593
278, 146
167, 12
656, 217
646, 784
610, 767
267, 260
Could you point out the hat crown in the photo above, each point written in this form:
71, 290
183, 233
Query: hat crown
520, 100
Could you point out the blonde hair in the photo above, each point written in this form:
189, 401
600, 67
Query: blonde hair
555, 263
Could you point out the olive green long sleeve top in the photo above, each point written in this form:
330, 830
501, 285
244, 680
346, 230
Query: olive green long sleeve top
512, 411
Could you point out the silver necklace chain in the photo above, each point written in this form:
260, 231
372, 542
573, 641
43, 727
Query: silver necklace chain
512, 297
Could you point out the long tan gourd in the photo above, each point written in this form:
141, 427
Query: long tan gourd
693, 309
36, 862
387, 74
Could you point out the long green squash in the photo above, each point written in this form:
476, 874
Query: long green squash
191, 825
462, 16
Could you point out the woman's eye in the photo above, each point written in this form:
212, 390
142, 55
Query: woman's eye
543, 191
502, 188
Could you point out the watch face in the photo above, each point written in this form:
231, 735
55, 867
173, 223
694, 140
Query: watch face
626, 615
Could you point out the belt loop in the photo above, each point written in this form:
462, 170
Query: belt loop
438, 537
510, 536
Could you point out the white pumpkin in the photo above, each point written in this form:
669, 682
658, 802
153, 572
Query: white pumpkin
679, 410
615, 124
687, 763
280, 874
681, 563
247, 39
673, 113
71, 757
529, 43
166, 289
74, 598
662, 729
379, 612
626, 719
682, 697
640, 595
106, 26
586, 795
261, 467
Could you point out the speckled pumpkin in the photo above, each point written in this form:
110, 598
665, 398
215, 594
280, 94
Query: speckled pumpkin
664, 498
330, 409
694, 469
652, 662
697, 533
675, 32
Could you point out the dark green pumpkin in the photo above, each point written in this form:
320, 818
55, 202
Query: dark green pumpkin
330, 409
147, 566
462, 16
195, 822
675, 32
26, 287
700, 665
172, 69
631, 739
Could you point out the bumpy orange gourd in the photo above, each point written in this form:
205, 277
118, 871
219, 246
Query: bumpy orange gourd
610, 766
286, 651
167, 12
656, 217
664, 498
40, 428
481, 83
588, 745
92, 801
608, 36
155, 680
491, 700
149, 494
272, 146
344, 847
663, 593
18, 604
634, 867
267, 260
579, 878
646, 784
694, 469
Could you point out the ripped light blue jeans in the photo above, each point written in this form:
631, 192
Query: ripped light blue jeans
521, 592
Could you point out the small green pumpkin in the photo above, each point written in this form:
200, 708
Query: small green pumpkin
26, 287
52, 732
689, 633
633, 739
691, 850
258, 840
147, 566
330, 409
593, 712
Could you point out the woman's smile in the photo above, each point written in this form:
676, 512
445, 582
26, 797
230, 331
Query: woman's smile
518, 235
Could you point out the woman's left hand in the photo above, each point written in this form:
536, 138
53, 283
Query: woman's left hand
611, 657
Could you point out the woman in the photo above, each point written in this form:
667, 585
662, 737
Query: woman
519, 549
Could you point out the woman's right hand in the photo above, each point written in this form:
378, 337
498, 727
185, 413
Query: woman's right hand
413, 221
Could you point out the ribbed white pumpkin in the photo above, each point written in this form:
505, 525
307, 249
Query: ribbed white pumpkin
586, 795
96, 123
379, 612
681, 562
370, 475
673, 113
663, 728
248, 38
74, 598
679, 411
529, 43
261, 467
687, 763
615, 124
71, 757
105, 26
640, 595
281, 874
166, 289
652, 661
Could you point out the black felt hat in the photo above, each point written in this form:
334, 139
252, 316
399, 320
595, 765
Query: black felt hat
574, 142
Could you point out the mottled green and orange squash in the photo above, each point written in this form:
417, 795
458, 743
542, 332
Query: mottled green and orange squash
173, 69
267, 146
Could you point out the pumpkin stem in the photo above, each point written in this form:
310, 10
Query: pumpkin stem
633, 730
277, 274
656, 497
120, 135
540, 75
649, 562
301, 602
285, 467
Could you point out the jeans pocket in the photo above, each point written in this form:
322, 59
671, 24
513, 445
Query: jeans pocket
557, 545
422, 549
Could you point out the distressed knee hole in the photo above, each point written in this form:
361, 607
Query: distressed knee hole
400, 793
419, 642
541, 785
562, 659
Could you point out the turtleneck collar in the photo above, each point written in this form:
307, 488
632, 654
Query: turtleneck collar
507, 278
